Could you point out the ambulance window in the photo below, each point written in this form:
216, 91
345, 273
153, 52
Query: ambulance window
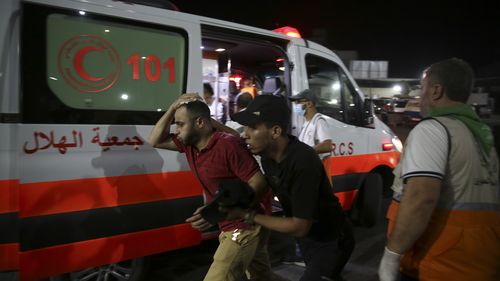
336, 97
96, 64
352, 102
98, 67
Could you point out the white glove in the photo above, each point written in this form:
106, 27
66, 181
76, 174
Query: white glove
388, 269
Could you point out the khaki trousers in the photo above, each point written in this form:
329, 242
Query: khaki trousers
242, 252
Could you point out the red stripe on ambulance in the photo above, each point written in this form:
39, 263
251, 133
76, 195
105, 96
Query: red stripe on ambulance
52, 197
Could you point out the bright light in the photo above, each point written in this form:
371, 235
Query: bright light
53, 78
201, 47
124, 97
387, 146
336, 86
397, 88
143, 58
352, 104
236, 79
106, 30
220, 50
282, 68
159, 109
82, 13
288, 31
333, 101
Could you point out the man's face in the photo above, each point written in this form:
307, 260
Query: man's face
258, 138
185, 127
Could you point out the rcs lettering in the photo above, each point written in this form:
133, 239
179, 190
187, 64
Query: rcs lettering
342, 148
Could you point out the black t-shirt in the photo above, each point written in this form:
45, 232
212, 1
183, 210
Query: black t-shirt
301, 184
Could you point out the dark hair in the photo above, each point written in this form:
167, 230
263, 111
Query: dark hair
455, 75
243, 99
197, 109
208, 88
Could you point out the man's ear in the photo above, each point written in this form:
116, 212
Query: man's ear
438, 91
276, 132
200, 122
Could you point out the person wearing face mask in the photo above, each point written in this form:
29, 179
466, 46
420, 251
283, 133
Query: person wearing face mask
314, 131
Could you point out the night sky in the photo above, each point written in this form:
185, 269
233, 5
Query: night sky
409, 34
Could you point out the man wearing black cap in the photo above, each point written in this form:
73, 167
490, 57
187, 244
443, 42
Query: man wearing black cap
297, 177
314, 131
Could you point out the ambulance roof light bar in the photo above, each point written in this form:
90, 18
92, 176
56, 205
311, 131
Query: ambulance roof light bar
288, 31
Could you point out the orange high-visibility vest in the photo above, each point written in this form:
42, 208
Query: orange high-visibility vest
462, 239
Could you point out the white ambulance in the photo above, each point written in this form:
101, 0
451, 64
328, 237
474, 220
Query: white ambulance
81, 84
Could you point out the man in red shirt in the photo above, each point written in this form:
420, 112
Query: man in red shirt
215, 156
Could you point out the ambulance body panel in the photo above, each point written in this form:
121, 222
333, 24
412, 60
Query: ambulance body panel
82, 84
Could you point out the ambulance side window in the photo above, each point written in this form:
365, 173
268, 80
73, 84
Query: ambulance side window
96, 69
336, 96
352, 102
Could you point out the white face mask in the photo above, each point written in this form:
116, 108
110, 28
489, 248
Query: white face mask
299, 109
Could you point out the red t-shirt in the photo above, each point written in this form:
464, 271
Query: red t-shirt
224, 157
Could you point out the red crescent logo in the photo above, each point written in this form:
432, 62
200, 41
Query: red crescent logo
78, 63
89, 63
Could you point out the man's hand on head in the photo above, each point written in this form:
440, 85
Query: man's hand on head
184, 99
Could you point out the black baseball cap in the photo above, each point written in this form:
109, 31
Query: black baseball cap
305, 95
264, 108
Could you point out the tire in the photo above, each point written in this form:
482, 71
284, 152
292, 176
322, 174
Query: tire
131, 270
369, 201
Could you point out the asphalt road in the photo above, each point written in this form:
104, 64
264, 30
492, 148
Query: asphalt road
192, 264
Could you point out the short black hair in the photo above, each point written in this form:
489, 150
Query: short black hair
455, 75
197, 109
243, 99
208, 88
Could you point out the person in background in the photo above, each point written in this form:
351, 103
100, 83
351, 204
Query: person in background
214, 155
447, 225
217, 110
249, 87
313, 214
314, 131
242, 101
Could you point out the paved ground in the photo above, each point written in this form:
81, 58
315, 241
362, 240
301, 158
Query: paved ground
192, 264
364, 261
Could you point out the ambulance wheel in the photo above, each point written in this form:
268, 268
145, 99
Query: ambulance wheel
369, 200
131, 270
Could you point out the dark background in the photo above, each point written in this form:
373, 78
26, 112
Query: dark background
409, 34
